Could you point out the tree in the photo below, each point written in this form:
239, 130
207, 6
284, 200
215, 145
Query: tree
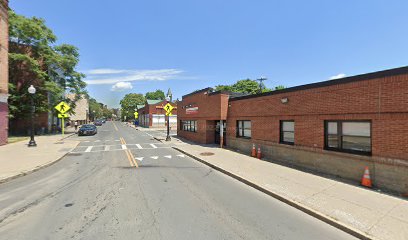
34, 59
156, 95
280, 87
242, 86
129, 104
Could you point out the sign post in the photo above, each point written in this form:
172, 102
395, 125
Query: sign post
62, 107
168, 108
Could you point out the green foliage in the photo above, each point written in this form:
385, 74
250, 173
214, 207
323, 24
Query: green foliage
129, 104
243, 86
156, 95
35, 60
280, 87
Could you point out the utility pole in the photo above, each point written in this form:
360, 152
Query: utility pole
261, 85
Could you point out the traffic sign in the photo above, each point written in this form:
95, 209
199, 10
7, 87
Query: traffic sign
136, 114
169, 114
168, 108
62, 107
62, 115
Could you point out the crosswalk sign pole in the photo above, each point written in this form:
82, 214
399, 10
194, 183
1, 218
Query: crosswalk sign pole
63, 125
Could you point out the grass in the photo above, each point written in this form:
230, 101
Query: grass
12, 139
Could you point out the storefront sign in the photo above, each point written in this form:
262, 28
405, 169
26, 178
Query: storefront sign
192, 110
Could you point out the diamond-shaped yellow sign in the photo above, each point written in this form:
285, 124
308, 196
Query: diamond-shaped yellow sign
169, 114
168, 108
136, 114
62, 107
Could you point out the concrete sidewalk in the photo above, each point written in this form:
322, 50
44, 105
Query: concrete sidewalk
16, 159
364, 213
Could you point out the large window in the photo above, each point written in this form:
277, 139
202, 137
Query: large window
244, 129
287, 132
348, 136
189, 126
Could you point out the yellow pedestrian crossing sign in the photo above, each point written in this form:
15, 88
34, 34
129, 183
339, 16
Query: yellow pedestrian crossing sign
169, 114
136, 114
62, 107
62, 115
168, 108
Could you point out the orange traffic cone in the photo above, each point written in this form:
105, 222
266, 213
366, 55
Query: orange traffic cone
366, 181
259, 153
253, 153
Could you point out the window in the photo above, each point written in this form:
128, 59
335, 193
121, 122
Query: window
244, 129
287, 132
189, 126
348, 136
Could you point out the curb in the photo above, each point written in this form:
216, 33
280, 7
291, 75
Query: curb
36, 169
354, 232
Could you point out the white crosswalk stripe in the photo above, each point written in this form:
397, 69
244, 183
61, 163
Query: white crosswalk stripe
155, 157
124, 147
139, 158
88, 149
169, 156
153, 146
181, 155
138, 146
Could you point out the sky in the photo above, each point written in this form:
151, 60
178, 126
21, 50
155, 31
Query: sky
136, 46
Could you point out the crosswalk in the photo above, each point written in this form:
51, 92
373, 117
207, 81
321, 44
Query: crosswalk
118, 147
141, 159
98, 141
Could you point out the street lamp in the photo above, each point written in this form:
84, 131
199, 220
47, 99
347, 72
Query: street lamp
31, 91
168, 138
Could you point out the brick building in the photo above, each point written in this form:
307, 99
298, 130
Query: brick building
152, 114
3, 71
335, 127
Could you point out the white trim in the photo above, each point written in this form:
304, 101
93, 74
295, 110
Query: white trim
3, 97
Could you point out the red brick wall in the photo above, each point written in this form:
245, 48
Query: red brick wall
384, 101
211, 108
3, 123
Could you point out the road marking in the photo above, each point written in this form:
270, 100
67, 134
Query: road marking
169, 156
88, 149
129, 154
140, 158
138, 146
153, 146
155, 157
181, 155
87, 141
116, 128
97, 140
117, 140
150, 135
106, 148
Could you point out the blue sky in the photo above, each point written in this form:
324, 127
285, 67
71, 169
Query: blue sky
192, 44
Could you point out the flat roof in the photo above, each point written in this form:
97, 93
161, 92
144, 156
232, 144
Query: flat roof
356, 78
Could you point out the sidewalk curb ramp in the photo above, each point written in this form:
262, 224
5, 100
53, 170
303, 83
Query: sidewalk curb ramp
37, 168
354, 232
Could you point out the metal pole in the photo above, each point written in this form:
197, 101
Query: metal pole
221, 133
32, 142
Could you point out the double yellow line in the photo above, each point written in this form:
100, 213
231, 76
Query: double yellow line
129, 154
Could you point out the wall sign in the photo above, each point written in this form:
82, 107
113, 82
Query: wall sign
192, 110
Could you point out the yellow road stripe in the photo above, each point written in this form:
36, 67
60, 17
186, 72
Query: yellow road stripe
129, 154
114, 125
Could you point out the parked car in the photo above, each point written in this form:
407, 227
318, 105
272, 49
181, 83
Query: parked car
98, 123
87, 129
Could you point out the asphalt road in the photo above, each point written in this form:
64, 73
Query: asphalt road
97, 192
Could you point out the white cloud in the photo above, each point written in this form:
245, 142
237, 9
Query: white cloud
111, 76
340, 75
121, 86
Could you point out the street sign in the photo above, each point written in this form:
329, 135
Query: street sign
62, 107
169, 114
168, 108
62, 115
136, 115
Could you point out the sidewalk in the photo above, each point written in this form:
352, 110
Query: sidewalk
363, 213
16, 159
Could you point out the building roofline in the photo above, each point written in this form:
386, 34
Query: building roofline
356, 78
198, 91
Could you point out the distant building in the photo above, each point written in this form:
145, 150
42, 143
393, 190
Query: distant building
3, 71
81, 110
152, 114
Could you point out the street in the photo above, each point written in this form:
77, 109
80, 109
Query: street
124, 184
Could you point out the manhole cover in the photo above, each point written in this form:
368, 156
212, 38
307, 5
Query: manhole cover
206, 154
